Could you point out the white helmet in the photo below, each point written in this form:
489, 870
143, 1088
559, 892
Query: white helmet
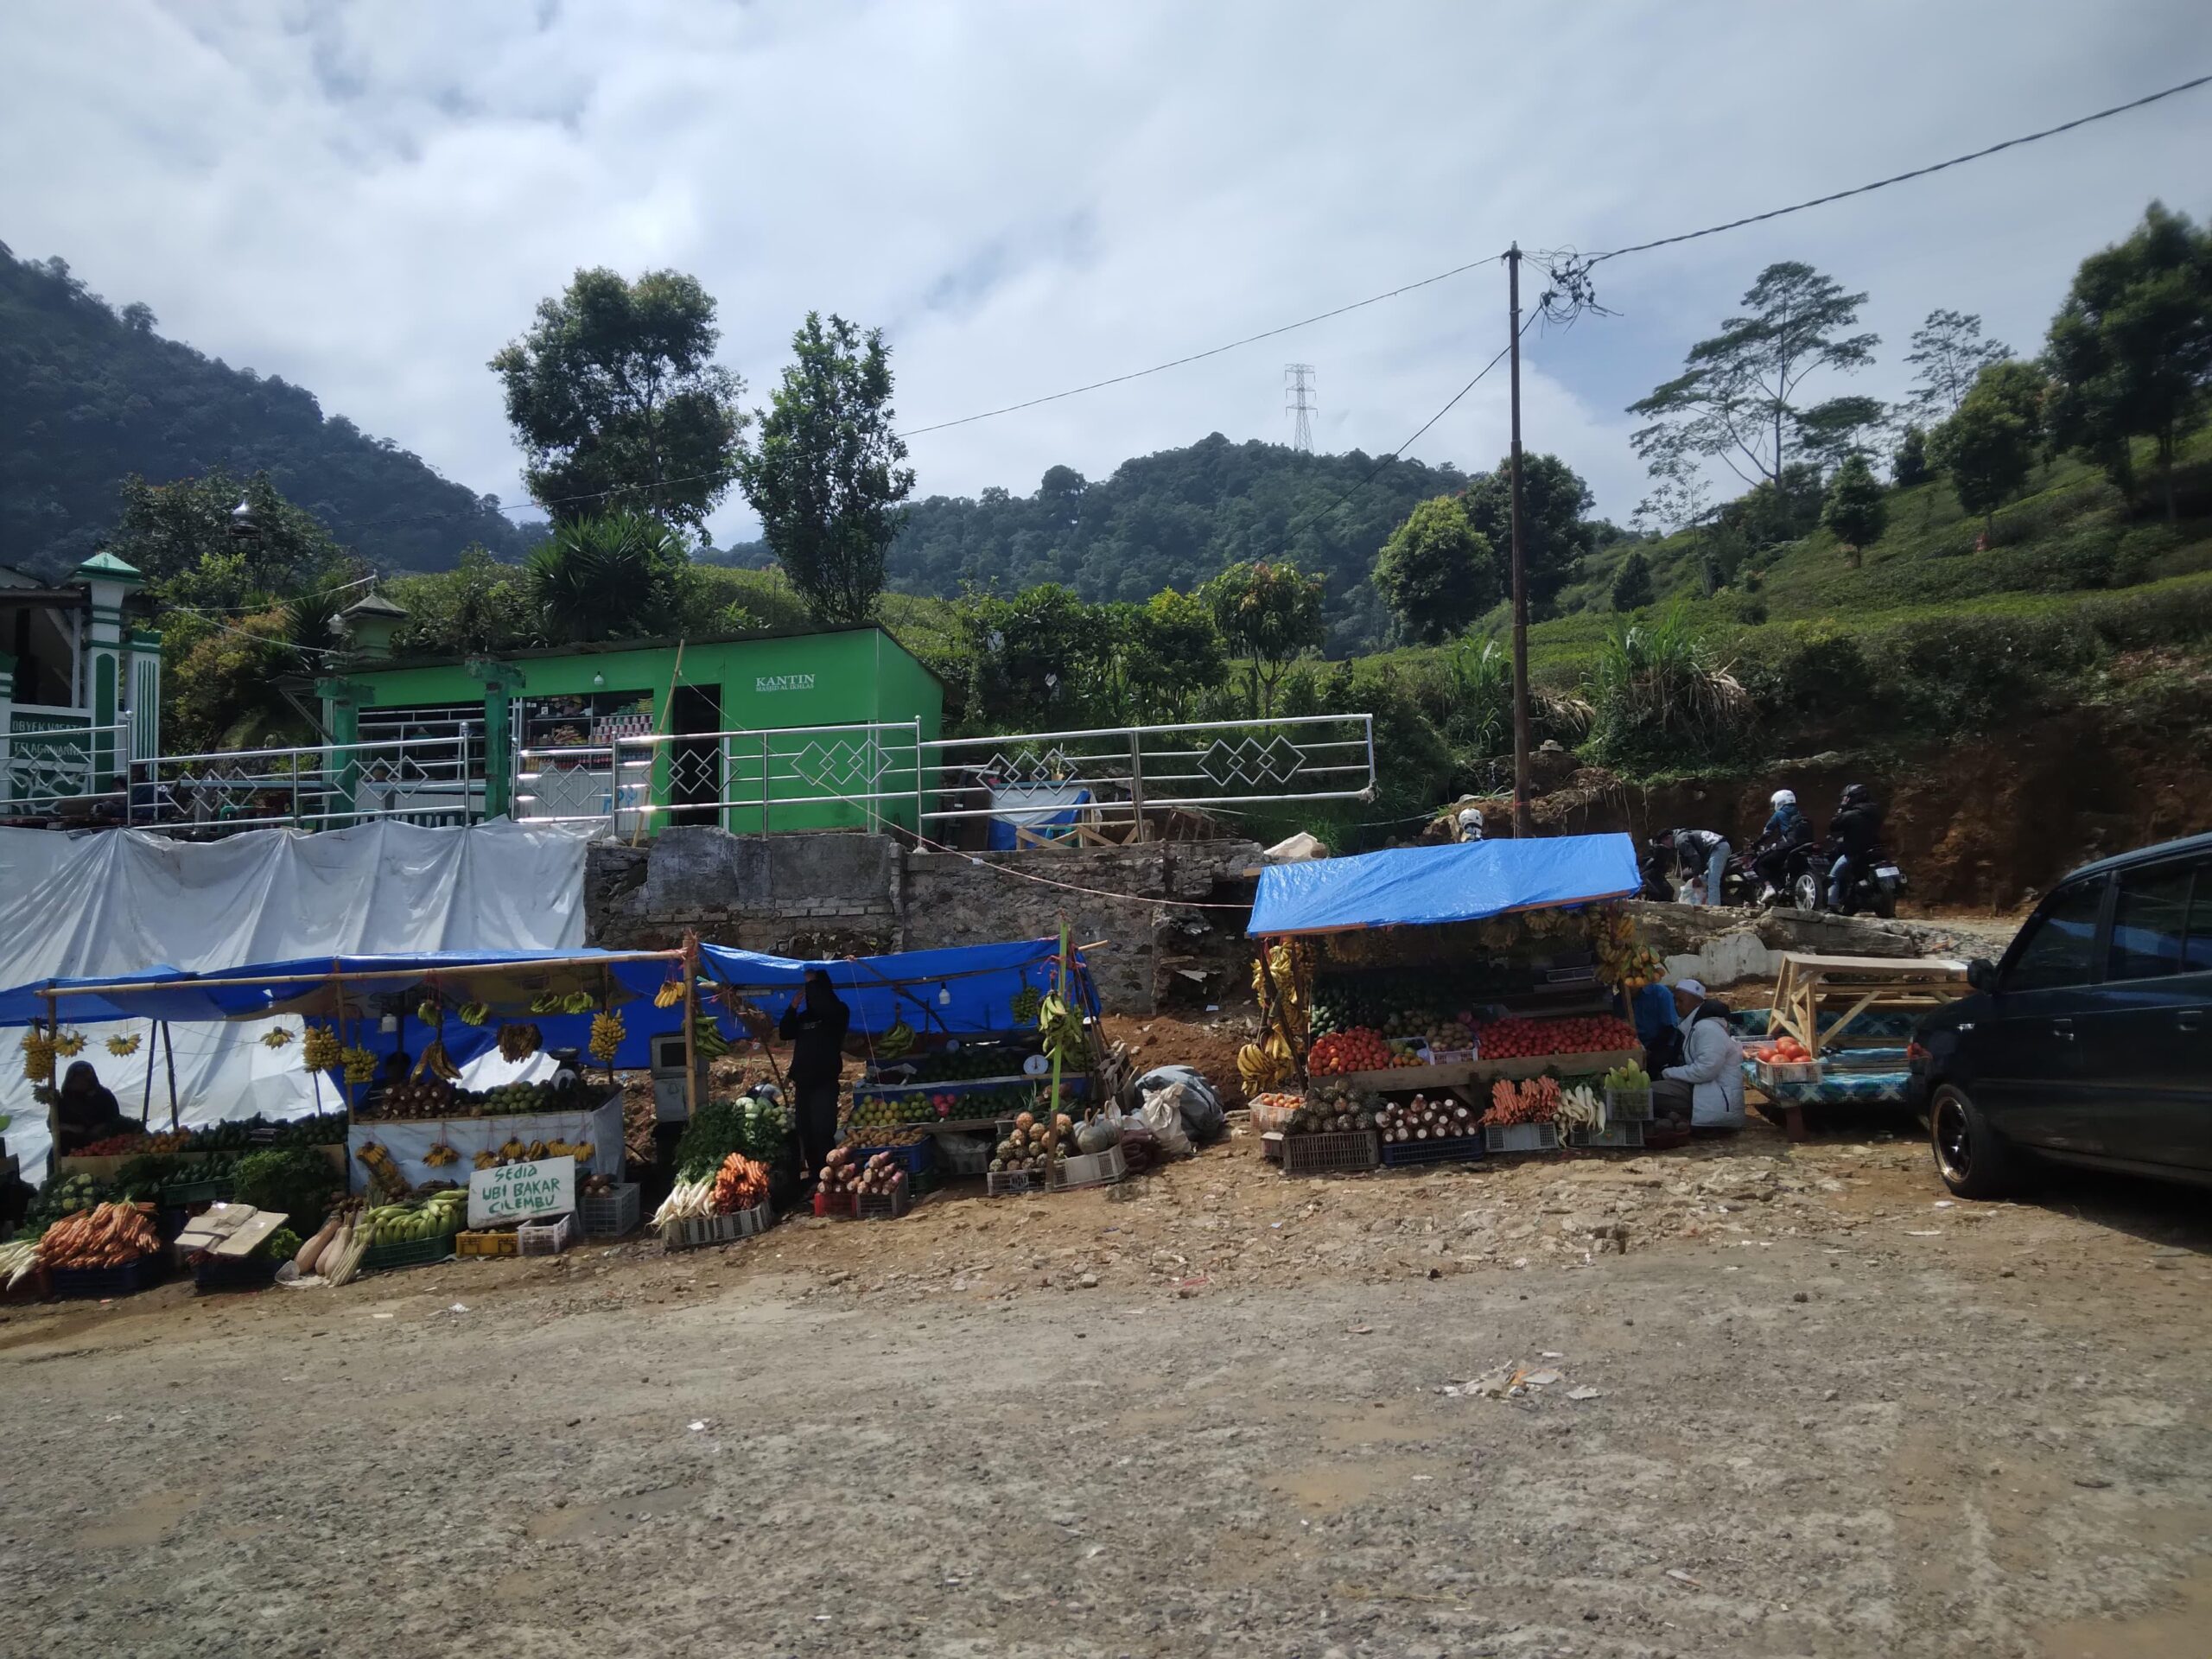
1782, 798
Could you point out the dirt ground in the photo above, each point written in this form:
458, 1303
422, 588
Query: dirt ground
1801, 1406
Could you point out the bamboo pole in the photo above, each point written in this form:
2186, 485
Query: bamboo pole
527, 964
169, 1056
690, 1025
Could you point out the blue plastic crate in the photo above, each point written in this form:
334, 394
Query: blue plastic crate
919, 1161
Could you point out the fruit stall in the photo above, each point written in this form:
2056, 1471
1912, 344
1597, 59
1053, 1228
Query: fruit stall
435, 1066
959, 1046
1438, 1003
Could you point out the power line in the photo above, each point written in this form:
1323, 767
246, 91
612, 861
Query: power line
1902, 178
1211, 350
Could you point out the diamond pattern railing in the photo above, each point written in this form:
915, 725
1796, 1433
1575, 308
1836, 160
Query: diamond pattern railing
426, 778
44, 763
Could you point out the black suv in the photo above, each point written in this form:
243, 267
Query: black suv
2091, 1042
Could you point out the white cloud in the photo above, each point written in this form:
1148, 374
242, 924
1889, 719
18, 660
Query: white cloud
368, 200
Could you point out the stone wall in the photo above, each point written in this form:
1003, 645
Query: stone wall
1722, 946
838, 895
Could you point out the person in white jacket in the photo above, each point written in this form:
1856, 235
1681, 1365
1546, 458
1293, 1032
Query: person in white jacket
1711, 1076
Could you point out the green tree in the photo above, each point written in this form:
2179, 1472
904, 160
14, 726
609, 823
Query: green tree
1737, 395
1037, 661
1268, 614
1857, 512
1989, 447
193, 546
1830, 431
2131, 348
825, 476
1172, 655
1633, 588
479, 606
1949, 351
1436, 572
621, 575
616, 400
1909, 466
1554, 535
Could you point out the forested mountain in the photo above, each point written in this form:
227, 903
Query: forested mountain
1174, 520
89, 395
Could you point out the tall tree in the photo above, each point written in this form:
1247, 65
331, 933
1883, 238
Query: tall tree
1553, 533
825, 475
479, 606
1437, 572
2131, 348
1989, 447
195, 548
1172, 654
1633, 588
1268, 614
1829, 431
1909, 466
1949, 351
621, 575
1856, 513
616, 400
1036, 661
1737, 395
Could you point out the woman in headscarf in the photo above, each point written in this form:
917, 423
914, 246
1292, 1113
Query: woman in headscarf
814, 1025
86, 1112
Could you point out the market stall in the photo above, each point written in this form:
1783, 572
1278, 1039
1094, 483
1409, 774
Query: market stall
1434, 1002
958, 1045
435, 1066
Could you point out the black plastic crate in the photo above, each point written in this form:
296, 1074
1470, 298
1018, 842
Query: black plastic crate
1448, 1149
255, 1272
127, 1280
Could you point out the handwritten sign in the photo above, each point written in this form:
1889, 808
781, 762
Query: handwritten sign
522, 1191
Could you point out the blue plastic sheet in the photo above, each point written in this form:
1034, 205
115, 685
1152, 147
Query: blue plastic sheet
1464, 881
965, 989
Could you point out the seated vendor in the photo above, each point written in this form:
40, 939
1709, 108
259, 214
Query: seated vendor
1655, 1016
83, 1112
1708, 1086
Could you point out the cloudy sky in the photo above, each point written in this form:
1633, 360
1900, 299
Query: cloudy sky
369, 198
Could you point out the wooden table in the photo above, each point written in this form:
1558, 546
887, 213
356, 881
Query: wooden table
1806, 984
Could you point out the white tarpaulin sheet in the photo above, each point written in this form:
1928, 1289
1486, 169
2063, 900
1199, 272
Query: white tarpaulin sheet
118, 901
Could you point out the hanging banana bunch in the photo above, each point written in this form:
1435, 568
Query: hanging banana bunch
278, 1037
69, 1045
607, 1033
360, 1065
1061, 1026
38, 1055
319, 1052
670, 992
437, 1061
475, 1013
122, 1048
518, 1043
1262, 1066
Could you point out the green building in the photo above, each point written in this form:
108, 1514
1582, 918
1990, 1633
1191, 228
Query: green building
769, 731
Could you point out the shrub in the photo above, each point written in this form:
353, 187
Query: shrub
1659, 697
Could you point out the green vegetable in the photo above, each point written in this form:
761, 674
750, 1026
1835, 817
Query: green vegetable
280, 1246
298, 1183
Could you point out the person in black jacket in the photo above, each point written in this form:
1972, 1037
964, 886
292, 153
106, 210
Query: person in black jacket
1851, 835
814, 1025
84, 1111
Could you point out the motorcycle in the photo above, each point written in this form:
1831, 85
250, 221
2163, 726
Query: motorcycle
1804, 879
1873, 886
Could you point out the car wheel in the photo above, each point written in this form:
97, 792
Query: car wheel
1974, 1161
1805, 892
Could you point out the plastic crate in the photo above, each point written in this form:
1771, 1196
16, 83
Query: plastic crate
545, 1237
886, 1206
125, 1280
1091, 1169
1338, 1151
1628, 1105
917, 1160
1012, 1183
1520, 1137
487, 1243
611, 1214
1446, 1149
1271, 1146
255, 1272
697, 1232
834, 1206
408, 1253
1613, 1135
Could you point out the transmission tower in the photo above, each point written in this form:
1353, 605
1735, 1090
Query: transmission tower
1298, 391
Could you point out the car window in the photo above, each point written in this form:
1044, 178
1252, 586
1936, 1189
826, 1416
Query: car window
2196, 953
2059, 947
2150, 919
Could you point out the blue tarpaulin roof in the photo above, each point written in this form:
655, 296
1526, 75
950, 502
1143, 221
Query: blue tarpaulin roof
1465, 881
963, 989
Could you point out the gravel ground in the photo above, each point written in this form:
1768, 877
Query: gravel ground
1231, 1415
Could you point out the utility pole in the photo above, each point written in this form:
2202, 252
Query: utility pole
1301, 404
1522, 826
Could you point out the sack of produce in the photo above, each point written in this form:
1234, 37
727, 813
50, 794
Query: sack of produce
1204, 1120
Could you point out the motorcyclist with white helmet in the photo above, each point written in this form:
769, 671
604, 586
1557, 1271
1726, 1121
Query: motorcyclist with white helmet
1787, 830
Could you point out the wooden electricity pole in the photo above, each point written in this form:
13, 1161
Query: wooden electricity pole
1522, 827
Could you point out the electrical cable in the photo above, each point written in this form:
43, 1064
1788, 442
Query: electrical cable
1902, 178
